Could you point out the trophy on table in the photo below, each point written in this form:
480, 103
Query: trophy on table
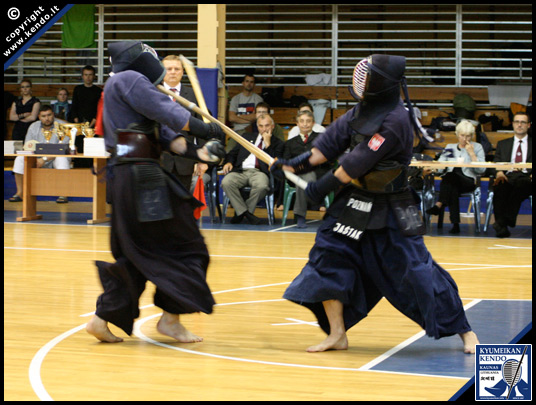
50, 148
61, 135
47, 135
87, 131
59, 132
71, 130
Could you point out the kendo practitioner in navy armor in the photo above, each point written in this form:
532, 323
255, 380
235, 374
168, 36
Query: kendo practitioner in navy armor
154, 235
370, 243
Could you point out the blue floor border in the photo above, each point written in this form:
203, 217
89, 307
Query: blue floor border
494, 322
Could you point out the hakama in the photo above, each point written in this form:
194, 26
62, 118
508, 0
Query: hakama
170, 253
384, 263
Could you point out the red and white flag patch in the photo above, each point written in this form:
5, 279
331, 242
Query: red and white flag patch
375, 142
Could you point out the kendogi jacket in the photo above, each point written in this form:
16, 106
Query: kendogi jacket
380, 134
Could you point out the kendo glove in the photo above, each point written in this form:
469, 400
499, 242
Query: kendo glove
215, 150
300, 164
318, 190
205, 131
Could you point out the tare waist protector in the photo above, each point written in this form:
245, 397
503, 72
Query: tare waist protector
137, 144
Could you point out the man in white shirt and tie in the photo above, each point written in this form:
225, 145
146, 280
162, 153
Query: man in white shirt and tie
512, 187
181, 167
242, 168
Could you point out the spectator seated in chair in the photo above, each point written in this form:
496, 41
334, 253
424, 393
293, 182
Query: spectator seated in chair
512, 187
241, 168
458, 180
295, 147
295, 131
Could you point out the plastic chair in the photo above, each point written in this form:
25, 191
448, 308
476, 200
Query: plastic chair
489, 205
427, 193
287, 200
213, 190
476, 203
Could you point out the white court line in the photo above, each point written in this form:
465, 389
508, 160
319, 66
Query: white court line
35, 366
101, 225
250, 288
137, 332
249, 302
107, 225
292, 226
261, 257
484, 265
56, 250
474, 266
509, 247
404, 344
282, 228
216, 305
296, 322
109, 251
490, 267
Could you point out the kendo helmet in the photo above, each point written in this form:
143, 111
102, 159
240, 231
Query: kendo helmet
376, 83
378, 76
137, 56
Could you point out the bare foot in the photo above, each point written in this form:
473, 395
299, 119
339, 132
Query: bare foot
98, 327
470, 340
332, 342
169, 325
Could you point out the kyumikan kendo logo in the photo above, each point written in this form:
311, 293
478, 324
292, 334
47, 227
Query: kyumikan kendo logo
503, 372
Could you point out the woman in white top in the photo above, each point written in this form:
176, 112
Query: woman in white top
295, 131
458, 180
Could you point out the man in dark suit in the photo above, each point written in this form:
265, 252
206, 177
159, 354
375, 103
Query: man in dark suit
242, 168
295, 147
512, 187
181, 167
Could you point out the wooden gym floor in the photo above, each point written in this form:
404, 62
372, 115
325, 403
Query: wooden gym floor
254, 342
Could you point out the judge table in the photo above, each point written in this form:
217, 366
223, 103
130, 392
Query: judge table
504, 166
83, 183
66, 183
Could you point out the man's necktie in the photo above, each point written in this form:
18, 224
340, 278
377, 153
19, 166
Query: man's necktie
257, 163
305, 137
174, 90
519, 154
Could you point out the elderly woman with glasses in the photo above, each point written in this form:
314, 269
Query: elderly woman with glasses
458, 180
24, 111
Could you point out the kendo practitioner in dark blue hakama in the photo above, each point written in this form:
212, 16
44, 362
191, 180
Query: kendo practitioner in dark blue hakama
154, 235
370, 242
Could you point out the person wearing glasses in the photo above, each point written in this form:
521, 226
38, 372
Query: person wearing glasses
24, 111
512, 187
